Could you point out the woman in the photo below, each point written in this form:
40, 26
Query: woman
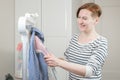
87, 51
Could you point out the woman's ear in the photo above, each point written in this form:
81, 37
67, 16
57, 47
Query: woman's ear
96, 20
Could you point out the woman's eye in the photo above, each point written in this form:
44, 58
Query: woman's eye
84, 18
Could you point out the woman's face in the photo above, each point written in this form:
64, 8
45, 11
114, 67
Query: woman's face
85, 21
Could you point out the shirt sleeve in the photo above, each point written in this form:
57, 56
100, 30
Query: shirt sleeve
97, 59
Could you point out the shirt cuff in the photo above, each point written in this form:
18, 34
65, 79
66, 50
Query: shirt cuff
88, 71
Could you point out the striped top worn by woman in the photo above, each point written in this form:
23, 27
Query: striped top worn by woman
91, 54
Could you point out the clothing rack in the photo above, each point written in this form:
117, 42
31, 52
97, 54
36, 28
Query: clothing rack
24, 29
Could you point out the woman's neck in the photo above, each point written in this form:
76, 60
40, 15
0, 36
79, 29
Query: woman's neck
87, 37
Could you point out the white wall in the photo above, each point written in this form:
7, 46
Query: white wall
6, 37
75, 5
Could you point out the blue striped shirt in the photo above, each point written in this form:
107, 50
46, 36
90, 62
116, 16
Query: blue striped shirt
92, 54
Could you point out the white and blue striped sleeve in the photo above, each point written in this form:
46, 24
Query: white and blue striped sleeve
97, 59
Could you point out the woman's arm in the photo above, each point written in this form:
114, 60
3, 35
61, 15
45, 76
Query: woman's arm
53, 61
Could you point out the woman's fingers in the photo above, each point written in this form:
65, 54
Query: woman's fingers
50, 60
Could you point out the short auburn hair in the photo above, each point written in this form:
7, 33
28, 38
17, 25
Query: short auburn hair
94, 8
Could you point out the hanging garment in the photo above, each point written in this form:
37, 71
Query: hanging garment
37, 68
40, 47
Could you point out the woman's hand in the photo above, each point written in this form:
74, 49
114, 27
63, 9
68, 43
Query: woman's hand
51, 60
